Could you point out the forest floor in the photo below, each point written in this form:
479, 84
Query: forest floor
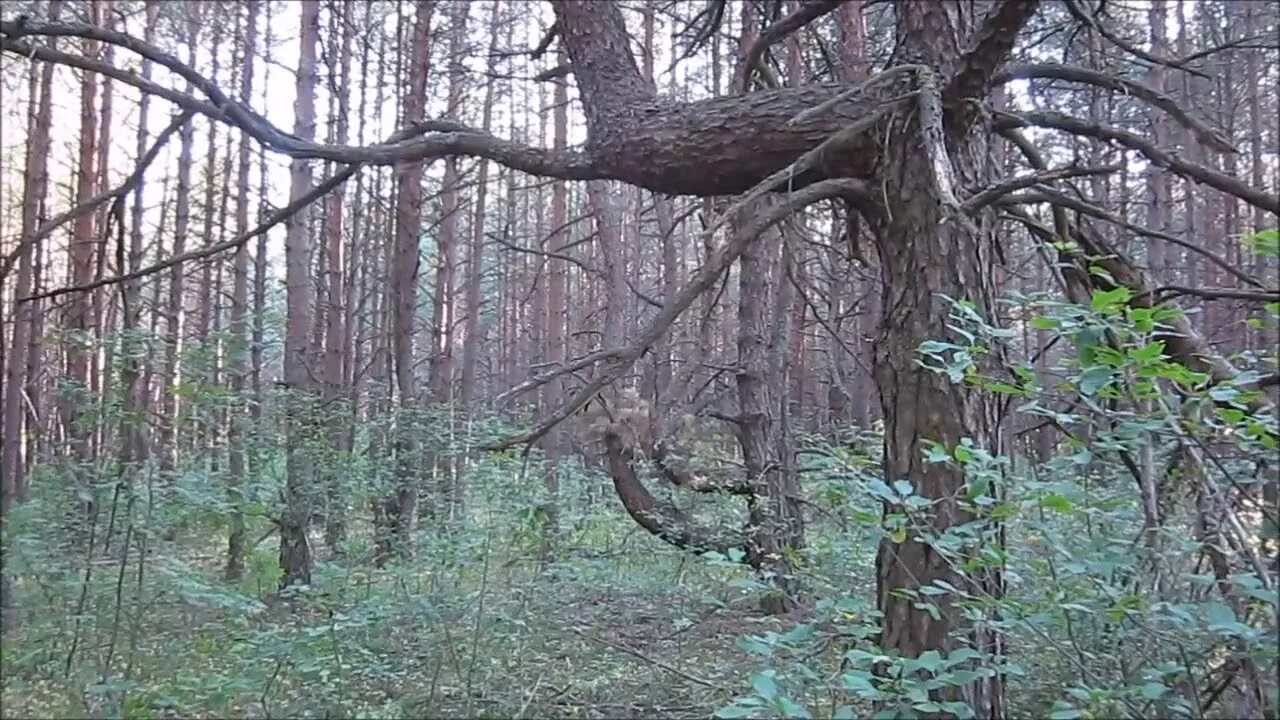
466, 629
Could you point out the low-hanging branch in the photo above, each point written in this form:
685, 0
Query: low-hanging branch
277, 217
6, 263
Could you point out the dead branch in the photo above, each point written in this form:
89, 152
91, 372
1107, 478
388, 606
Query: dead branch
1208, 135
617, 361
1158, 156
124, 188
995, 192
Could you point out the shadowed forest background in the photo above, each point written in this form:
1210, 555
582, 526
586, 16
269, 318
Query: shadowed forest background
759, 358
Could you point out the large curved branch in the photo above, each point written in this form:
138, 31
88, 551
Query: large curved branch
1160, 157
618, 361
719, 146
1205, 133
662, 520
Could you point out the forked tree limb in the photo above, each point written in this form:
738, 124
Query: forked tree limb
986, 50
807, 12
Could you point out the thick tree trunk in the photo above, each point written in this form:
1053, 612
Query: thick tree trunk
928, 253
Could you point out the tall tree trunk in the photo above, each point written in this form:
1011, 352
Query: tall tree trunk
78, 319
257, 342
335, 335
444, 303
928, 254
171, 407
554, 351
17, 369
237, 366
295, 551
399, 505
472, 339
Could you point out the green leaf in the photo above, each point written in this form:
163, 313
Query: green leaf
1104, 300
1094, 379
1066, 714
1219, 613
1057, 502
1041, 322
791, 709
844, 712
765, 685
930, 660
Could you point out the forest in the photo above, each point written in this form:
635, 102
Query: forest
639, 358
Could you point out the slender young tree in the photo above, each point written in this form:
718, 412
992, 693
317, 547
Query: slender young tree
299, 356
237, 365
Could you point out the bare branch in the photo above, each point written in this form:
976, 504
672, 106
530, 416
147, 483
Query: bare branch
1206, 134
543, 45
1160, 157
6, 264
1261, 296
999, 190
618, 361
808, 11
